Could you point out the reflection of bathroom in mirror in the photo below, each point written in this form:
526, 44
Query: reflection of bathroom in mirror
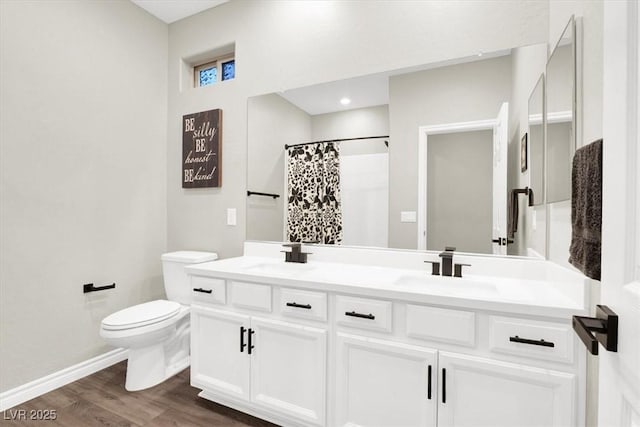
560, 115
536, 141
378, 177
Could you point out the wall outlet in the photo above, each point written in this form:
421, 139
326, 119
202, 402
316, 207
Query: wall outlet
408, 216
232, 217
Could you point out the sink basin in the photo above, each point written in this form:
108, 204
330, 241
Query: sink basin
448, 285
279, 268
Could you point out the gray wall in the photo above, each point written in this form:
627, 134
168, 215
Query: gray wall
283, 45
371, 121
459, 191
272, 123
83, 172
457, 93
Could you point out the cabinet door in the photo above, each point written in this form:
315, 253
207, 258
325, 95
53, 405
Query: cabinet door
383, 383
288, 369
217, 364
481, 392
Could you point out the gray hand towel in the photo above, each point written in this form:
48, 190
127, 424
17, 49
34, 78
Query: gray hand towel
586, 209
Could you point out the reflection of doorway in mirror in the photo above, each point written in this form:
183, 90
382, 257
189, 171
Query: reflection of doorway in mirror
460, 176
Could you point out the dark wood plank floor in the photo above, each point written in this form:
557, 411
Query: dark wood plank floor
101, 400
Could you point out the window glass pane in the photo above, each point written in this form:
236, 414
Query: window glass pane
228, 70
208, 76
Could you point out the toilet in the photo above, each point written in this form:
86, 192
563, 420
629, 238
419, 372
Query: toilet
156, 333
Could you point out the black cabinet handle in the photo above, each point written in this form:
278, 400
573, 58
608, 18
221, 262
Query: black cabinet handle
363, 316
429, 383
532, 342
444, 385
294, 304
251, 346
242, 344
204, 291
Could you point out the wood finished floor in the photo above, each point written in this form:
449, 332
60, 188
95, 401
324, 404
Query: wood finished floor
101, 400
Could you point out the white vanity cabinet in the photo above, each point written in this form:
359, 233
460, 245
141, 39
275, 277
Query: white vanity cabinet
339, 346
396, 382
477, 391
273, 365
384, 383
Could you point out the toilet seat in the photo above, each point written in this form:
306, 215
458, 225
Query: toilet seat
140, 315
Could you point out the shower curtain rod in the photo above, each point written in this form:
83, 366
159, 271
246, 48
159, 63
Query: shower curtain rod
335, 140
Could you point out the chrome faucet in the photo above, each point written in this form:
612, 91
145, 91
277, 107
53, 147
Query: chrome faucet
295, 254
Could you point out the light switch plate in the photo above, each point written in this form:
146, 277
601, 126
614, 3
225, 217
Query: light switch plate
232, 217
408, 216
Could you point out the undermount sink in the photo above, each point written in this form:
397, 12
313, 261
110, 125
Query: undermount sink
279, 268
447, 285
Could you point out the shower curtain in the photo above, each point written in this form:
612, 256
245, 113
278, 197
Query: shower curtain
313, 180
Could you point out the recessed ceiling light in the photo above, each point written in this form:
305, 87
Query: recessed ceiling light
345, 101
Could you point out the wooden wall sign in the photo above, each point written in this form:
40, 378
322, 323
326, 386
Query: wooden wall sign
201, 149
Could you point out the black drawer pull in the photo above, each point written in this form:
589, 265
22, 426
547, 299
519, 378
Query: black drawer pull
363, 316
532, 342
251, 346
204, 291
294, 304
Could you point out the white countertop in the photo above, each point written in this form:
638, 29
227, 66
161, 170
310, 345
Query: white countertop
547, 298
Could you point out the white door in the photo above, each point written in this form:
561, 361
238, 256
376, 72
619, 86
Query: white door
288, 369
383, 383
619, 373
480, 392
500, 144
217, 362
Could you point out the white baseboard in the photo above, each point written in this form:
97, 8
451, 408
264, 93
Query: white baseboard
33, 389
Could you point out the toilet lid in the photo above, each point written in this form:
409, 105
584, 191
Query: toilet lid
141, 315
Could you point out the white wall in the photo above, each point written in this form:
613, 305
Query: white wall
82, 176
287, 44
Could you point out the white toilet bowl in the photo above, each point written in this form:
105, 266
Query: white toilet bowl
157, 336
156, 333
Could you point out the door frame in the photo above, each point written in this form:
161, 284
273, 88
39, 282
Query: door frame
423, 140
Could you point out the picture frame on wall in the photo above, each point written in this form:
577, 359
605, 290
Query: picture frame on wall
202, 149
523, 153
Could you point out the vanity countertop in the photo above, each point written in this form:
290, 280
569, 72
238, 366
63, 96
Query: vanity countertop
536, 297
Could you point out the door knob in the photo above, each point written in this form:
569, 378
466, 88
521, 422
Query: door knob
604, 326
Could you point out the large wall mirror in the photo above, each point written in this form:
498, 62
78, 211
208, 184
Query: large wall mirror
367, 182
536, 141
561, 115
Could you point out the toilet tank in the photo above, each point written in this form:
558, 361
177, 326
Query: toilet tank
176, 281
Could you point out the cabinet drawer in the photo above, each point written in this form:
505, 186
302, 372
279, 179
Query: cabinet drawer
364, 313
250, 295
440, 324
531, 338
304, 304
209, 290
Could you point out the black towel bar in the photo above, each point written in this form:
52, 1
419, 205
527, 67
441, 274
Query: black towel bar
257, 193
527, 191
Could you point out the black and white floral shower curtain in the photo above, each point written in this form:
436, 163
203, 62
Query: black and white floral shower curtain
313, 177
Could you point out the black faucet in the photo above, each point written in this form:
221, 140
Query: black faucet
295, 254
447, 261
